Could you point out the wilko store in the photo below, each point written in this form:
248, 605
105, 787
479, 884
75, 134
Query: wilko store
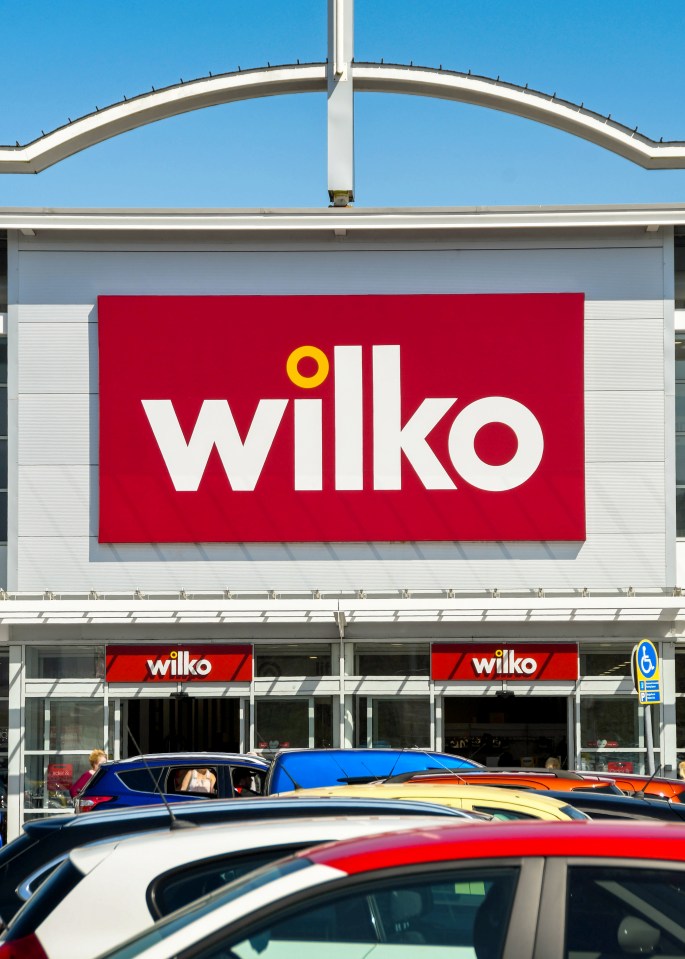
339, 477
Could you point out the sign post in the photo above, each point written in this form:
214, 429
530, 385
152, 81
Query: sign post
647, 681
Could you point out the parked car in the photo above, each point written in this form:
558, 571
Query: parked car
304, 768
499, 803
559, 779
144, 878
604, 806
143, 780
658, 787
543, 889
44, 843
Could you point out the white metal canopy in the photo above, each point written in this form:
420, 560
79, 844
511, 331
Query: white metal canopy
312, 78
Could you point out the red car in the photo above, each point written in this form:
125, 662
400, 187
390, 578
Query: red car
539, 890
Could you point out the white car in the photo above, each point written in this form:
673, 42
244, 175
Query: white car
527, 889
105, 892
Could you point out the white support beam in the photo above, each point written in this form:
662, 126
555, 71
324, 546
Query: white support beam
340, 89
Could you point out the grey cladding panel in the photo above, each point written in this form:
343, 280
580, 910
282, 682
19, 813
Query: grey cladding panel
625, 498
57, 428
602, 274
609, 561
58, 358
624, 355
624, 427
56, 501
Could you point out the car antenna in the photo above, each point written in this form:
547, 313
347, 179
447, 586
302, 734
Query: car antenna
640, 794
175, 823
407, 776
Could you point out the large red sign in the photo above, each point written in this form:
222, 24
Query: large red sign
517, 662
341, 418
179, 664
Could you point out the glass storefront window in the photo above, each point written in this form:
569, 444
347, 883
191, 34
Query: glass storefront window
47, 779
64, 724
284, 723
615, 762
396, 723
614, 722
614, 664
65, 662
680, 724
680, 671
300, 660
392, 659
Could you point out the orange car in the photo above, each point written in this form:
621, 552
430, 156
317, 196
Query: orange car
557, 779
650, 786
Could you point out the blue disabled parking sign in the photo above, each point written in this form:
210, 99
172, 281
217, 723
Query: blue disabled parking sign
646, 672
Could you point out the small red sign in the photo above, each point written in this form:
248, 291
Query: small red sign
341, 418
620, 766
59, 776
495, 662
179, 664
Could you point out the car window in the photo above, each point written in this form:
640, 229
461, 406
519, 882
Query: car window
192, 779
616, 911
28, 887
183, 885
462, 913
573, 813
197, 910
505, 814
142, 780
609, 788
247, 781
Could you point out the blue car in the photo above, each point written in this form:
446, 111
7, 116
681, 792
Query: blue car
177, 777
304, 768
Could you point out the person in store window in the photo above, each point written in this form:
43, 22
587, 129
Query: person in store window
681, 769
96, 759
198, 781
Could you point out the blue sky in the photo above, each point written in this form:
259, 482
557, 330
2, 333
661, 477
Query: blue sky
61, 58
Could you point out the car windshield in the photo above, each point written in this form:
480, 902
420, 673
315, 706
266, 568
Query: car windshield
167, 927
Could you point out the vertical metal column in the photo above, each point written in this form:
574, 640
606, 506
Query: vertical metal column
16, 733
340, 102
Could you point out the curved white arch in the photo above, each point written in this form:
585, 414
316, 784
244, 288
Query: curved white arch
368, 77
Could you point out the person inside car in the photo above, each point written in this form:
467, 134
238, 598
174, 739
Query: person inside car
198, 781
242, 783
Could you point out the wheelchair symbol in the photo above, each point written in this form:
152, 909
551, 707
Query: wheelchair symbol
647, 664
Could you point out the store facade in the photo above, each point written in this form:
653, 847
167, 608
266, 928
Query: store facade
338, 478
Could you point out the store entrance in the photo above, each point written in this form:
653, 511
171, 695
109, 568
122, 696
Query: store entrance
510, 730
179, 724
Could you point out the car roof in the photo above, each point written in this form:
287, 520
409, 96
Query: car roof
259, 805
620, 840
301, 768
154, 852
649, 806
561, 778
182, 758
442, 792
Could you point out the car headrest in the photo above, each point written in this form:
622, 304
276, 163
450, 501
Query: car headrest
637, 937
405, 904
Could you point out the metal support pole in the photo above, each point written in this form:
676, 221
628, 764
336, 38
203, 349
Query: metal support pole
340, 102
649, 741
